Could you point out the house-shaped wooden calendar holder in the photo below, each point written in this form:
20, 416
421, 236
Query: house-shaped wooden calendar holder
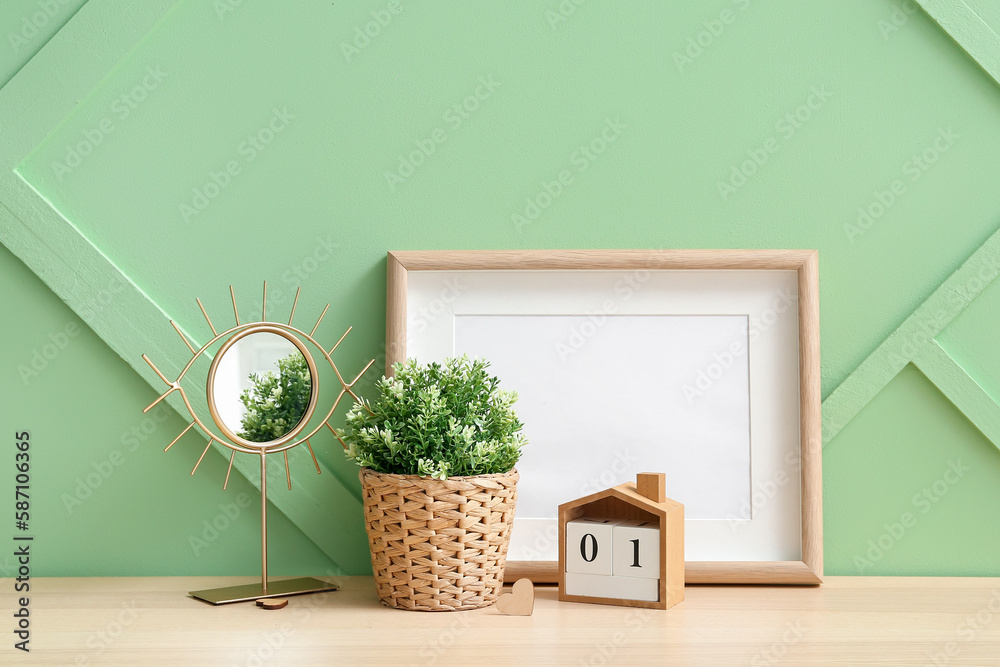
623, 545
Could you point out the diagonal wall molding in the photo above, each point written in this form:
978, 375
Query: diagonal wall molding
914, 340
33, 105
971, 29
961, 389
910, 339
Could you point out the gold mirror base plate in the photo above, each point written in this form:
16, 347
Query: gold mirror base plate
275, 589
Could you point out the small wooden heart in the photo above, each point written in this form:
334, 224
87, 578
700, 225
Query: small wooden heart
520, 601
272, 603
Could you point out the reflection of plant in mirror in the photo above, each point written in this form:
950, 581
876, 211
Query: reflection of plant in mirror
276, 403
436, 420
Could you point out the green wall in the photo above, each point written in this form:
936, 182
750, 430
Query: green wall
236, 142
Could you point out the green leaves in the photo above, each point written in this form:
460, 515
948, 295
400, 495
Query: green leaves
436, 420
276, 403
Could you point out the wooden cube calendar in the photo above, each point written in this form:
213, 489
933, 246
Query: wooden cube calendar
623, 545
636, 549
590, 543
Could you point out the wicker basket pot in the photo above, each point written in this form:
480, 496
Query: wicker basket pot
438, 545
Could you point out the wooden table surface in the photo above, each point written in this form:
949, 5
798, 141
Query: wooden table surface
848, 620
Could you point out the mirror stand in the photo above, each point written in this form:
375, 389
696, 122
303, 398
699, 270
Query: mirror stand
274, 589
303, 386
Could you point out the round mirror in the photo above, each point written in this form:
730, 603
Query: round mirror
260, 386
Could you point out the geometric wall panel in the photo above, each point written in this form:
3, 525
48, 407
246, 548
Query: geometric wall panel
37, 102
921, 475
332, 155
974, 26
915, 342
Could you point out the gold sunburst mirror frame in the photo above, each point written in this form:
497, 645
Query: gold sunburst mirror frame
226, 436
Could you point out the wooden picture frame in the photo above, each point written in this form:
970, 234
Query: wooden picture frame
807, 567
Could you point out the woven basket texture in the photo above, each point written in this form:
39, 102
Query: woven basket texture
438, 545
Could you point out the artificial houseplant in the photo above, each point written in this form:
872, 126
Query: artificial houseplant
437, 447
